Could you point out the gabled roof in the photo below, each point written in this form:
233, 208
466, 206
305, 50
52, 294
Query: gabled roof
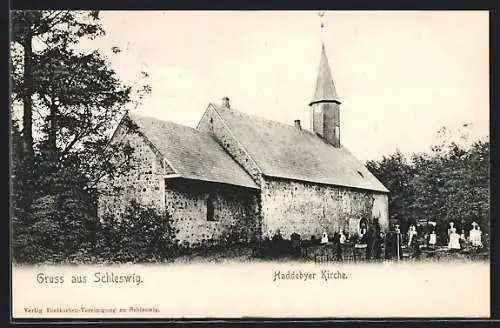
191, 153
325, 88
283, 151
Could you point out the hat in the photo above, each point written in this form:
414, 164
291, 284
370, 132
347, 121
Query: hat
474, 224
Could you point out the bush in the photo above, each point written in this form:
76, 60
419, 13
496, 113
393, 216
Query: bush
59, 229
142, 235
277, 247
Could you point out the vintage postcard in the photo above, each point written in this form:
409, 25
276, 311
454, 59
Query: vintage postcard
250, 164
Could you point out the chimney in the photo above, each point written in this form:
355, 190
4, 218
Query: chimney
297, 124
225, 102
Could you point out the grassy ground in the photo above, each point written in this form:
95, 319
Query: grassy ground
310, 254
217, 255
248, 254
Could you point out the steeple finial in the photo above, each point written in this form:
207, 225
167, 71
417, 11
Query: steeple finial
321, 14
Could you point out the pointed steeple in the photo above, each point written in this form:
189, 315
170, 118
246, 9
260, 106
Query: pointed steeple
325, 112
325, 88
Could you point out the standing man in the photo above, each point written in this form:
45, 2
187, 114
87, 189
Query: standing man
399, 243
376, 249
369, 244
337, 246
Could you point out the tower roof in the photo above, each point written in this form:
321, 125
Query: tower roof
325, 88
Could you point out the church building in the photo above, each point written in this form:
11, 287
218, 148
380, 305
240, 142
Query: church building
239, 176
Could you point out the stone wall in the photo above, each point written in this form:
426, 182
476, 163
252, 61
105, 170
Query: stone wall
211, 122
144, 183
235, 210
309, 209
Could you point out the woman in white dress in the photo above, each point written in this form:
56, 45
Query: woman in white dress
342, 237
454, 239
411, 233
432, 238
477, 241
475, 235
324, 238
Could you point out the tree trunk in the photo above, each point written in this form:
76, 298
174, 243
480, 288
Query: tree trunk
52, 137
27, 102
28, 118
51, 149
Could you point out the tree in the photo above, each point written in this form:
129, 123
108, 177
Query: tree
396, 174
83, 99
450, 183
78, 99
53, 29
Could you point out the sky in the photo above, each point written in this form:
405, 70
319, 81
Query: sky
400, 75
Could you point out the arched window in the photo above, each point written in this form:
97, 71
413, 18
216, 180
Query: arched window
210, 208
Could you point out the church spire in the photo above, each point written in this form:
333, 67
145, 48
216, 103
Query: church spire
325, 88
325, 113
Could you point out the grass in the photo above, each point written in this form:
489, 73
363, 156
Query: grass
249, 254
242, 253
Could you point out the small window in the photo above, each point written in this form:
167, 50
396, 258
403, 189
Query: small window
210, 209
211, 125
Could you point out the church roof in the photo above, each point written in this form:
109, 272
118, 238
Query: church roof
284, 151
325, 88
191, 153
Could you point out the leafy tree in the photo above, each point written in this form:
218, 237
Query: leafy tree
83, 99
53, 29
396, 174
453, 184
78, 99
450, 183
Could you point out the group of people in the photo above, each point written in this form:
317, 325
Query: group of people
475, 235
338, 235
455, 241
372, 238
